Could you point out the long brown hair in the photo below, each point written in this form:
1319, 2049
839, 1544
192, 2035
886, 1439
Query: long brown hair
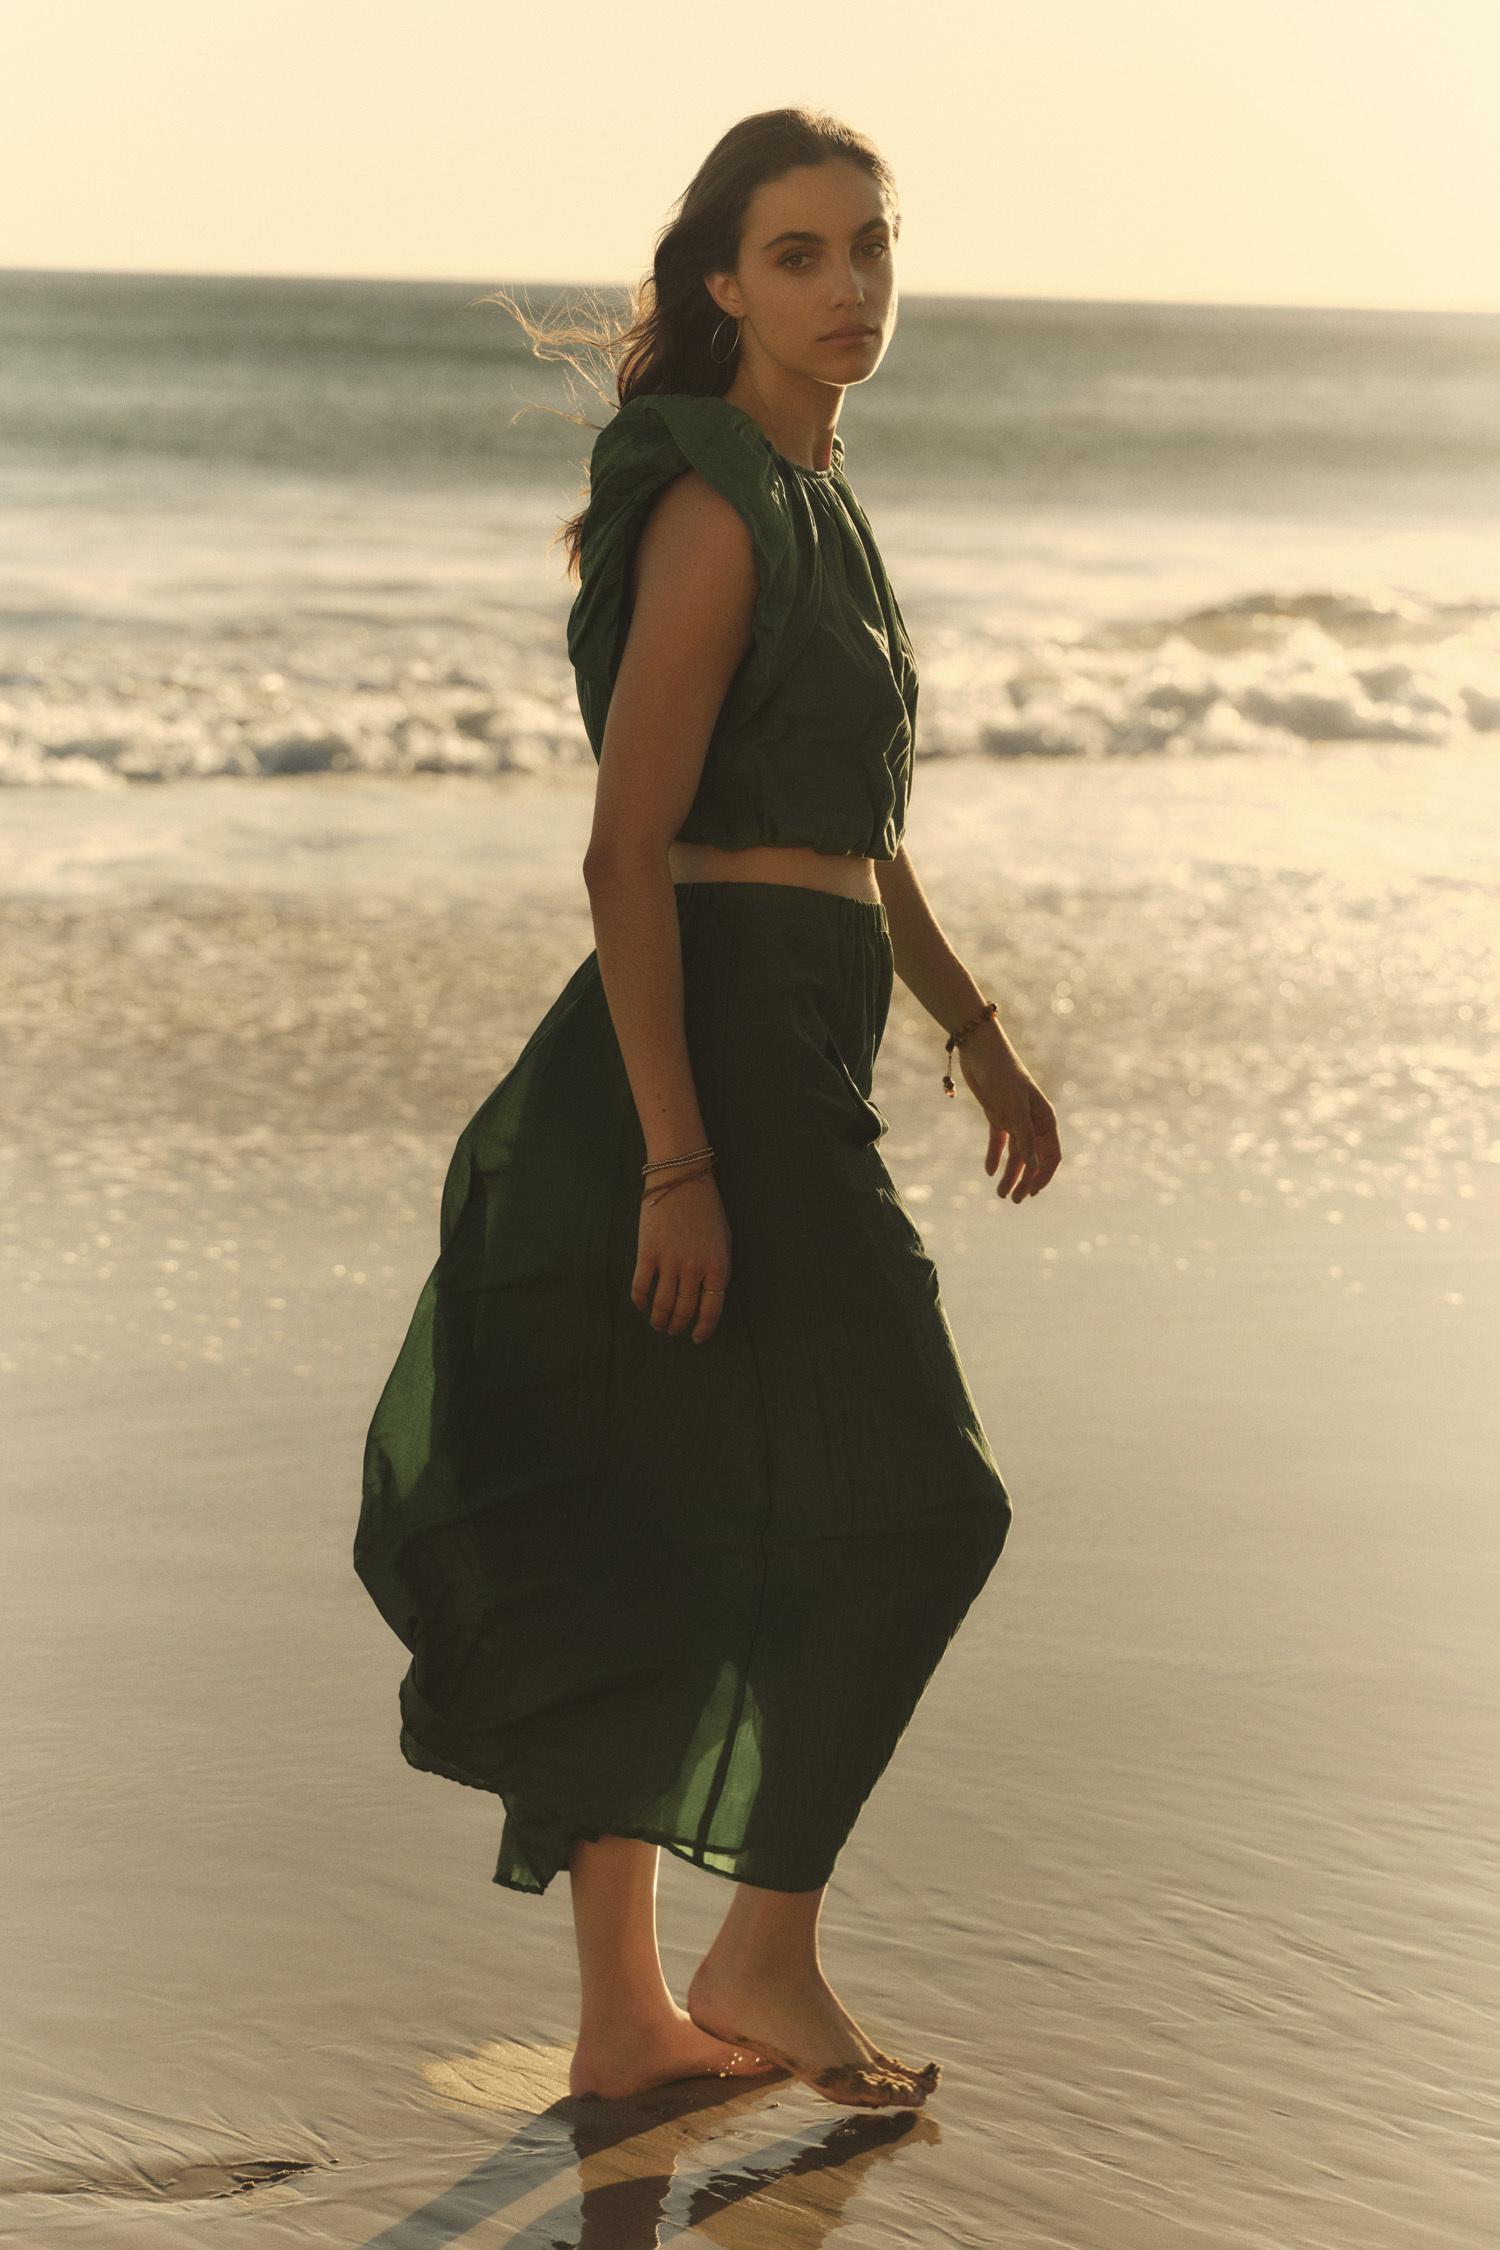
664, 341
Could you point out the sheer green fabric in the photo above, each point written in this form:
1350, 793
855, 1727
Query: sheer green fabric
813, 743
690, 1593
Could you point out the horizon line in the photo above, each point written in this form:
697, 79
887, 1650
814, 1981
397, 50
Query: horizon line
935, 296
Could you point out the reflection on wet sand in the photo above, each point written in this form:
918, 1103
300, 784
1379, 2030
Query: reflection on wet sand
634, 2173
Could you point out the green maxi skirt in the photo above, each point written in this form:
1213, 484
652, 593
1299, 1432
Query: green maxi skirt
685, 1592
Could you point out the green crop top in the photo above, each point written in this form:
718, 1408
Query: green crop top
814, 739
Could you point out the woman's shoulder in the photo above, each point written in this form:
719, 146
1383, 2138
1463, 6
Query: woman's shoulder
653, 438
696, 423
672, 430
650, 440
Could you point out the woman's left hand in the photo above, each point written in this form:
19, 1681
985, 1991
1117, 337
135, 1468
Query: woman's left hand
1019, 1113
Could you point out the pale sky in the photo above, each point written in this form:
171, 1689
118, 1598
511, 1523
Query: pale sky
1285, 152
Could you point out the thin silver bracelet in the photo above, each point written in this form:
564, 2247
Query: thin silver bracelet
663, 1162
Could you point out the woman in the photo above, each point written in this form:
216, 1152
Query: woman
676, 1491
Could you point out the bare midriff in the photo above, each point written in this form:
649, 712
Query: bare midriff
844, 872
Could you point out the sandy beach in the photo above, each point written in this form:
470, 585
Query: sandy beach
1186, 1866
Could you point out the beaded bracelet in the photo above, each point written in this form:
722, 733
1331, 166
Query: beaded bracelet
957, 1038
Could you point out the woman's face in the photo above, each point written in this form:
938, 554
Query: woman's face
817, 254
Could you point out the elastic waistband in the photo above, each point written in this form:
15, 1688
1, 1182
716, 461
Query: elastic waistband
788, 899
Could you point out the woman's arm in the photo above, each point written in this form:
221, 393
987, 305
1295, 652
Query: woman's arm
1018, 1111
925, 962
689, 629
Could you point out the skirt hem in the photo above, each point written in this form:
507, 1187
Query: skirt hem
553, 1855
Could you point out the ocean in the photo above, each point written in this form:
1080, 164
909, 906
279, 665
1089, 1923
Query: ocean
269, 527
1185, 1867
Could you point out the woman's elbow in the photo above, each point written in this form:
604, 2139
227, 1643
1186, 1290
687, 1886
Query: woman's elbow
629, 856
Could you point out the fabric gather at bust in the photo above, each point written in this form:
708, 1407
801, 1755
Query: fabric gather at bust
814, 740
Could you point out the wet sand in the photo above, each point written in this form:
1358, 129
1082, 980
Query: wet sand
1185, 1867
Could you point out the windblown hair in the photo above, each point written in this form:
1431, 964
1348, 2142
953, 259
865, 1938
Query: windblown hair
663, 341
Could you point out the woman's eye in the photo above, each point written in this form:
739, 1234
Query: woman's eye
878, 247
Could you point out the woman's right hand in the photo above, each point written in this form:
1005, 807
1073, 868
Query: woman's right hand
683, 1249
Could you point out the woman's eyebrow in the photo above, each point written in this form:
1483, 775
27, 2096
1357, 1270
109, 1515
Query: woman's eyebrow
804, 234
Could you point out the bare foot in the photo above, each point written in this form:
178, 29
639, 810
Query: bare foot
803, 2024
675, 2049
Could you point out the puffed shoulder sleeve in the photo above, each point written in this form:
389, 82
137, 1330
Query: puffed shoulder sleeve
651, 440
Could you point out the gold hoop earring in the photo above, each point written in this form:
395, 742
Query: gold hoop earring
724, 358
